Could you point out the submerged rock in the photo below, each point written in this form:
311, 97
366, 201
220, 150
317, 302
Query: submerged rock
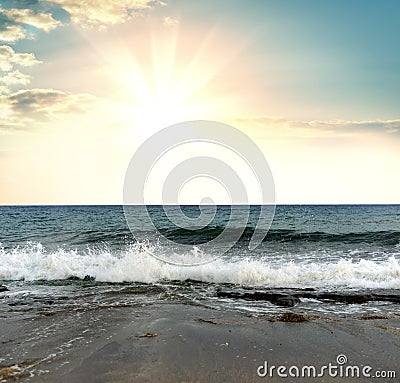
278, 299
85, 278
288, 301
73, 278
347, 298
291, 297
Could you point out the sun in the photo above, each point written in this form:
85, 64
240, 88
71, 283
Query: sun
154, 90
165, 76
149, 106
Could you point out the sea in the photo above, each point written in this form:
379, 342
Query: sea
322, 260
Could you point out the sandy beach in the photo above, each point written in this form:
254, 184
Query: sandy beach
185, 343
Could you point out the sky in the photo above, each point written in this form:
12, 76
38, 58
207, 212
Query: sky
315, 84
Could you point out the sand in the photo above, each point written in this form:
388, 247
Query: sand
172, 342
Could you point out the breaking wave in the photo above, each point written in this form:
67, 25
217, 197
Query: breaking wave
134, 264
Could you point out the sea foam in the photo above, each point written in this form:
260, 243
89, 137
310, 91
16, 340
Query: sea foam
33, 262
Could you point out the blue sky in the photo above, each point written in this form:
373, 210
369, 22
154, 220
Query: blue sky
339, 58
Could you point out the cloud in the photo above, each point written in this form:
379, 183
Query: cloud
4, 90
13, 23
170, 22
46, 102
15, 78
318, 128
9, 58
10, 33
84, 13
18, 20
39, 20
20, 109
95, 14
350, 126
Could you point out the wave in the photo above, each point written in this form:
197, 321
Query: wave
196, 236
32, 262
205, 234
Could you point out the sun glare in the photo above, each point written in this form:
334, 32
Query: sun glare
162, 78
151, 90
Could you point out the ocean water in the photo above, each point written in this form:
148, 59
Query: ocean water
325, 260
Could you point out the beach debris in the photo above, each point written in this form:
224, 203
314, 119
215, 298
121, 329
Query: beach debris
148, 335
294, 318
207, 321
3, 288
47, 313
16, 371
9, 372
394, 330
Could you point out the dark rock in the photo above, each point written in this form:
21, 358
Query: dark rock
288, 301
346, 298
376, 316
350, 298
275, 298
395, 298
3, 288
290, 298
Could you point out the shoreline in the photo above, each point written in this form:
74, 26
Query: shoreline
172, 342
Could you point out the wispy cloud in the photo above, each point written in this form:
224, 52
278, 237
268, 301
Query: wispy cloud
46, 102
170, 22
324, 128
19, 109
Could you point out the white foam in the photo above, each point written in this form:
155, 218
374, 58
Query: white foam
33, 262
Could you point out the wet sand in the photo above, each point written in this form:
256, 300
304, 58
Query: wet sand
184, 343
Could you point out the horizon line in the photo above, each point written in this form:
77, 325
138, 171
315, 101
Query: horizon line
238, 204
